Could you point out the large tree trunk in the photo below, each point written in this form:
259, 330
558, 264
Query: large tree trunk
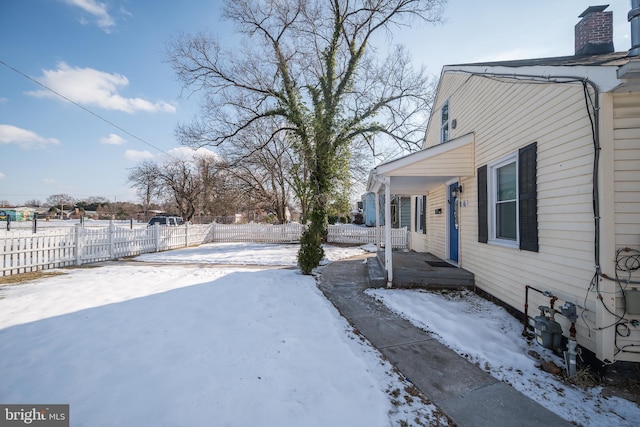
311, 252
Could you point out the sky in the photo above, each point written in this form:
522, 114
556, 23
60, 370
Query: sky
175, 338
108, 57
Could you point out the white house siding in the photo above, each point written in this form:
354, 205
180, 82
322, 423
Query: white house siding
447, 86
417, 241
626, 204
506, 116
436, 224
627, 170
468, 217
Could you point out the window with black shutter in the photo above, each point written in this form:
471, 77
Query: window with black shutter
423, 217
483, 228
420, 216
527, 197
507, 216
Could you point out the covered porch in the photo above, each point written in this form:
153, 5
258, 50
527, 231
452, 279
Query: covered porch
421, 270
419, 173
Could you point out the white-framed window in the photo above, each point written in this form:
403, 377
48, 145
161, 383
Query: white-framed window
508, 200
503, 201
444, 122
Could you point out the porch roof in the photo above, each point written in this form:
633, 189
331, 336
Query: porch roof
418, 172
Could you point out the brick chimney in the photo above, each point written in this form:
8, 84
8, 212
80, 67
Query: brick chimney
594, 33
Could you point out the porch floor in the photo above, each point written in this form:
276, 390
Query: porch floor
419, 270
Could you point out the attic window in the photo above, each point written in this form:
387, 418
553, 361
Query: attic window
444, 122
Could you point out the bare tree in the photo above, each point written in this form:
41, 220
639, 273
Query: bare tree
263, 165
60, 200
310, 65
179, 176
145, 179
34, 203
96, 200
220, 195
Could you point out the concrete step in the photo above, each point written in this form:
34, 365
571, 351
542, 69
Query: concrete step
377, 275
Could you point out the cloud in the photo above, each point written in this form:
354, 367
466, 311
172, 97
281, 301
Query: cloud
125, 12
96, 9
112, 139
3, 100
187, 153
24, 138
137, 155
48, 181
514, 54
87, 86
2, 175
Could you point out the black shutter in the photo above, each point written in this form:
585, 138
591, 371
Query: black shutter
424, 215
417, 217
483, 226
527, 193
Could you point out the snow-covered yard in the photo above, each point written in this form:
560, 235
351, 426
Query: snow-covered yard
139, 344
174, 341
490, 337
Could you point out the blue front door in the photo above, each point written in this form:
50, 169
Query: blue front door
453, 223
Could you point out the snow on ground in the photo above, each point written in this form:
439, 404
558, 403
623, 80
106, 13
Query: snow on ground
248, 254
167, 344
487, 335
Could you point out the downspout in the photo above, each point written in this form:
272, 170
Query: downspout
596, 168
388, 255
596, 191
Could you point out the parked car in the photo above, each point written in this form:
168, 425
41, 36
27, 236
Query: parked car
168, 221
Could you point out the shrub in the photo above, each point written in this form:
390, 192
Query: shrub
311, 252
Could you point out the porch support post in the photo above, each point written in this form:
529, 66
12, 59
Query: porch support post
376, 201
387, 231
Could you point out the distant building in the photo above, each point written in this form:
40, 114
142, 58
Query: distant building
17, 214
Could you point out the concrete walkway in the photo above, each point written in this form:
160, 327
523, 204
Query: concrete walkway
467, 394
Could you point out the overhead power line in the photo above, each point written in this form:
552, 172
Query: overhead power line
83, 107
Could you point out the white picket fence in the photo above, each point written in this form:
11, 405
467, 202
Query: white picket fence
65, 246
255, 232
22, 252
364, 235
